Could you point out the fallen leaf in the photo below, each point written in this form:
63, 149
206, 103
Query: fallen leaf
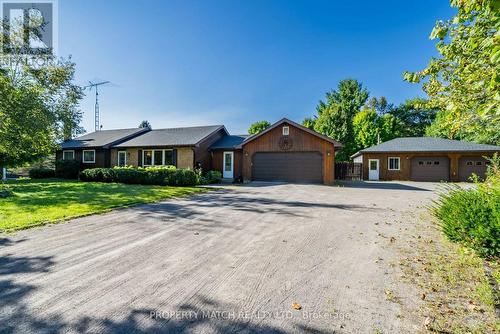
296, 306
422, 296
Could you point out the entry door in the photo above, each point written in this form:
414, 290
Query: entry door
228, 172
373, 169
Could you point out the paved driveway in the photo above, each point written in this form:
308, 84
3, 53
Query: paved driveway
233, 260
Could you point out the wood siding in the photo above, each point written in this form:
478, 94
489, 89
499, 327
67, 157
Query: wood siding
202, 155
217, 162
301, 141
102, 157
404, 172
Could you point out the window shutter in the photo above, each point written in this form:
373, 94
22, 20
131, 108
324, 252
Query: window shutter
174, 157
139, 158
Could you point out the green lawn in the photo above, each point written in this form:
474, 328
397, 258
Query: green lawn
37, 202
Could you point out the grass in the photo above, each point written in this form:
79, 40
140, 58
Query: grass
38, 202
456, 292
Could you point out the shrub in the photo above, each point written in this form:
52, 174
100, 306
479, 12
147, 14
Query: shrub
41, 173
67, 169
213, 176
472, 216
168, 175
183, 178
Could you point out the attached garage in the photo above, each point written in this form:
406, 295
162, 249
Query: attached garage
471, 165
306, 167
430, 169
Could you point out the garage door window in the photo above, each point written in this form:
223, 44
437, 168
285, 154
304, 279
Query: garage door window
393, 163
470, 163
479, 163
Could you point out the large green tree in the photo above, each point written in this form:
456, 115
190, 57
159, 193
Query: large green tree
415, 116
336, 112
258, 127
464, 81
38, 108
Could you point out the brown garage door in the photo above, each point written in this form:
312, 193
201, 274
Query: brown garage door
469, 165
430, 169
288, 166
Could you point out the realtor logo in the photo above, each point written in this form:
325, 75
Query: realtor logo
29, 27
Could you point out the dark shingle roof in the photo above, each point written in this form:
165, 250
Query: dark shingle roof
427, 144
189, 136
229, 142
101, 138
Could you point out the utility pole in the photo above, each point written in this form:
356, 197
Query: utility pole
95, 85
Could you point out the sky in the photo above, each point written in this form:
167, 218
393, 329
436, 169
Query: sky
189, 63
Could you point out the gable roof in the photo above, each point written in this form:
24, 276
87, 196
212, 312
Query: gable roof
229, 142
188, 136
103, 138
286, 120
427, 144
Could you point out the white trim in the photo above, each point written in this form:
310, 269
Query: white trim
153, 156
389, 163
87, 161
118, 158
373, 178
72, 151
287, 128
227, 174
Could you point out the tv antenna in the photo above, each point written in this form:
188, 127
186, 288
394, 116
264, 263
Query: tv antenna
95, 85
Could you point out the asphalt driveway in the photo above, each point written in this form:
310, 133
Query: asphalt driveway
232, 260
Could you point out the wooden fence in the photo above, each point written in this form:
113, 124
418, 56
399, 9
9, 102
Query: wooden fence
348, 171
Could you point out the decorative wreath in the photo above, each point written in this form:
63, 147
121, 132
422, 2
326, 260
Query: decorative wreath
285, 143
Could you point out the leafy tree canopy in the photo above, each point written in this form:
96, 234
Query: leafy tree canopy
145, 124
258, 127
336, 112
415, 115
464, 82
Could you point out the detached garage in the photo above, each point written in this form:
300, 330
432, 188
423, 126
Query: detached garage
425, 159
286, 151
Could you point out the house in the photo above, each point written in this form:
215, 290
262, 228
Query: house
286, 151
425, 159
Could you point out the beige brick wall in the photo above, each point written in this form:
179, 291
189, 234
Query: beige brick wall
185, 157
132, 156
114, 157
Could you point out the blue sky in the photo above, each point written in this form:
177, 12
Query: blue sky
183, 63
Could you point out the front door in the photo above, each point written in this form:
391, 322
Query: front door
228, 165
373, 170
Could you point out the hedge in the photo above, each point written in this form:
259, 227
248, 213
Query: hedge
168, 175
41, 173
67, 169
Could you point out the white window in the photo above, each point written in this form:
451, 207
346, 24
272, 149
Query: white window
393, 163
122, 158
286, 131
157, 157
88, 156
68, 155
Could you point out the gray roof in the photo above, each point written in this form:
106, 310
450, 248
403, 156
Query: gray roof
189, 136
229, 142
427, 144
101, 138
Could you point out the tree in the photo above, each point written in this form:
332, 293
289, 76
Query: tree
145, 124
464, 82
415, 115
380, 105
309, 122
38, 106
370, 127
336, 113
258, 127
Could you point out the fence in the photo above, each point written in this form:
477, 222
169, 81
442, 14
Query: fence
348, 171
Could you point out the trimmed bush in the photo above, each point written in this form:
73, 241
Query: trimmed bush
67, 169
168, 175
41, 173
213, 176
183, 178
472, 216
